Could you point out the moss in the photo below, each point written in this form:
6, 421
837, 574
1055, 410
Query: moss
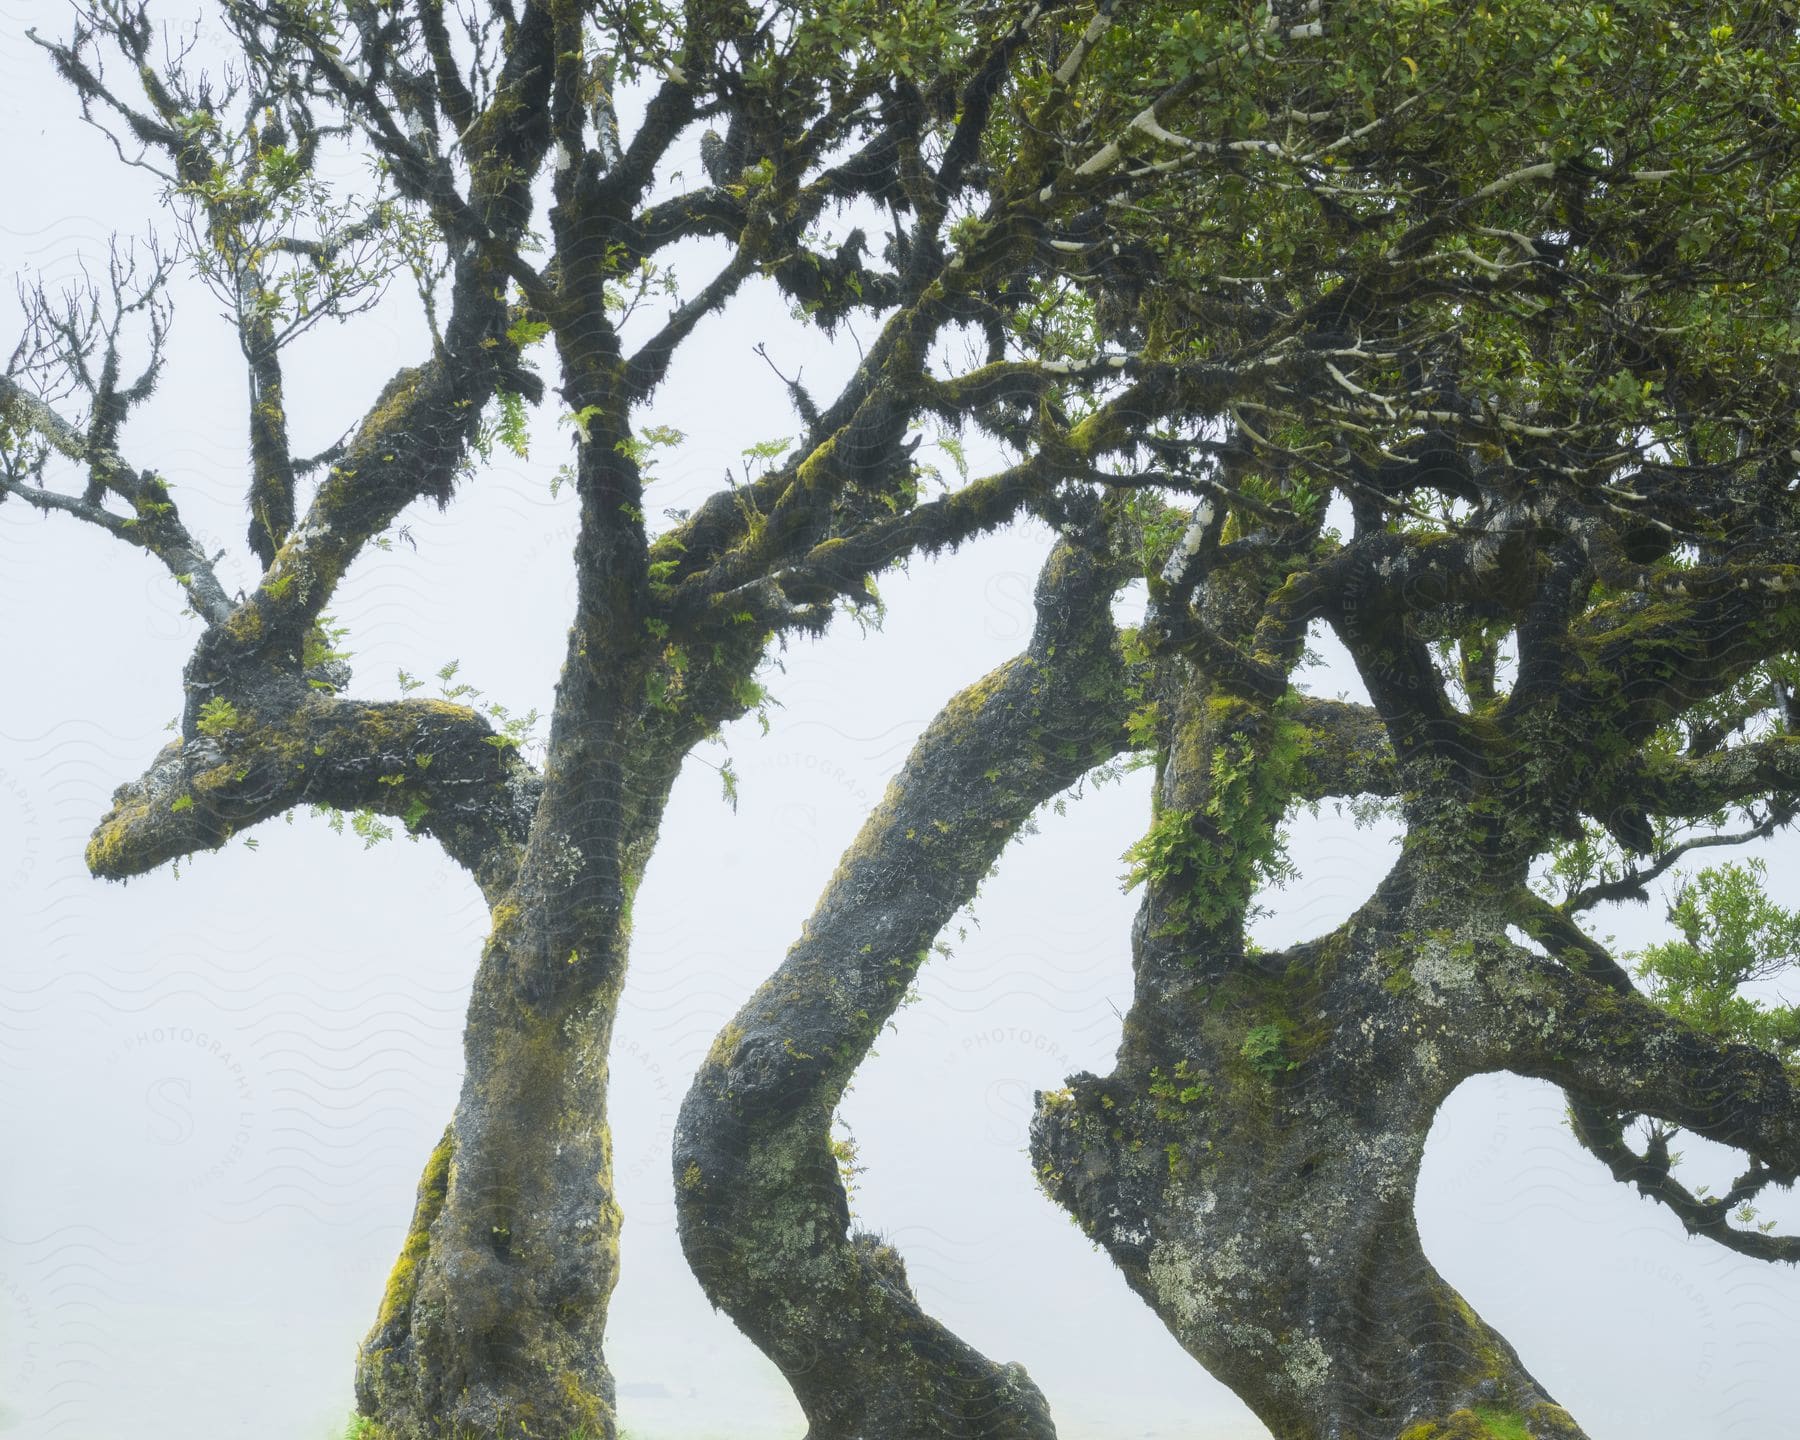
1492, 1422
817, 466
972, 704
1397, 977
108, 853
1092, 432
592, 1411
391, 405
244, 626
216, 781
725, 1045
1503, 1424
1459, 1425
1551, 1422
403, 1282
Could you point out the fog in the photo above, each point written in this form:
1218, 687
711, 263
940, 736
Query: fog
217, 1087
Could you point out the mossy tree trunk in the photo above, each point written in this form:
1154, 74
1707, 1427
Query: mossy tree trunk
495, 1316
1251, 1161
1610, 488
763, 1213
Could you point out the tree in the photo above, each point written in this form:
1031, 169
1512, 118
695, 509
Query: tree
471, 116
1536, 259
1513, 289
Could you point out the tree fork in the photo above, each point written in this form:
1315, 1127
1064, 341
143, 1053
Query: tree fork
1251, 1161
1251, 1164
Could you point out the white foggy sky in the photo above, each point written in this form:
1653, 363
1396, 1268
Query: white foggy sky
192, 1241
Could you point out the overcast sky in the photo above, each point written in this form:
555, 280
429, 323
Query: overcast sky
217, 1090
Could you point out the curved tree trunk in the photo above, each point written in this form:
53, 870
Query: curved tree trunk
1251, 1166
495, 1313
763, 1215
1251, 1162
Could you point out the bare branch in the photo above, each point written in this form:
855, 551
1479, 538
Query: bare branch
155, 524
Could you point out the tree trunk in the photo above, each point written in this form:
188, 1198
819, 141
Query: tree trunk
1253, 1171
495, 1313
764, 1218
496, 1310
1251, 1162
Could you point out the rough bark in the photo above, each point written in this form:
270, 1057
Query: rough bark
437, 766
1380, 360
763, 1213
495, 1314
1251, 1164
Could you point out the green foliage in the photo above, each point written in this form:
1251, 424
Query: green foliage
764, 453
666, 684
370, 828
525, 332
1591, 857
641, 448
449, 687
753, 696
515, 731
1206, 863
1616, 131
844, 1152
1265, 1050
321, 648
365, 824
1159, 527
217, 717
511, 428
1172, 1091
582, 418
1731, 935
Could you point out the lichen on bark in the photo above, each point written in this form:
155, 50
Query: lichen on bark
763, 1215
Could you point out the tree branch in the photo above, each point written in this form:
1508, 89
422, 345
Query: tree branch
1623, 1054
1603, 1135
155, 525
439, 767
